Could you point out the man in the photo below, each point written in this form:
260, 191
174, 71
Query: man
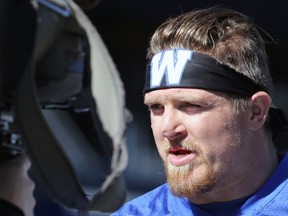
208, 89
16, 187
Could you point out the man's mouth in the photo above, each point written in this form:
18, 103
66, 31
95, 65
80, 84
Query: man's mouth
179, 151
179, 156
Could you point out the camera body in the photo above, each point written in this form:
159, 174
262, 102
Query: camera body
53, 107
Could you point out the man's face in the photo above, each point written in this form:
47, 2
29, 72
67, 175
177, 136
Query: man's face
200, 138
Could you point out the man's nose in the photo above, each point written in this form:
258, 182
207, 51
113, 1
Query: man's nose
173, 126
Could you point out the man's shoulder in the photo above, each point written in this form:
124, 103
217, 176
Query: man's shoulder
271, 198
148, 203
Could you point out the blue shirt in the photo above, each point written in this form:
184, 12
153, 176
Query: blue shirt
271, 199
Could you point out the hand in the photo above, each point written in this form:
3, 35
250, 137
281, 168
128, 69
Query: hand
16, 186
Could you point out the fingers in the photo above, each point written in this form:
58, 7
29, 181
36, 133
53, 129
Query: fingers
24, 161
16, 186
18, 165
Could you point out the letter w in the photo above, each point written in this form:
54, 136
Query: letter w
167, 63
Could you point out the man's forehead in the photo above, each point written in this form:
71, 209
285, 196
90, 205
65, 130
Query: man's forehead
180, 94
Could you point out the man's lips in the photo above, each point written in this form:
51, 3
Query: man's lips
179, 156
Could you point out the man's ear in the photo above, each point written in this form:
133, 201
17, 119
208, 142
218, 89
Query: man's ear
259, 110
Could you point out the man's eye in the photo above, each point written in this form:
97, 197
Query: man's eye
156, 108
191, 107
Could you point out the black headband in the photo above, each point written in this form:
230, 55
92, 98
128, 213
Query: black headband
182, 68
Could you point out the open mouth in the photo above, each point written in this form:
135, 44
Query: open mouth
180, 151
180, 156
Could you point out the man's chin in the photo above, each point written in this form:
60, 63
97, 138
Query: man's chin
185, 182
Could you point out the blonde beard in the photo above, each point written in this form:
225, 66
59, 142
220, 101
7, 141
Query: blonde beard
182, 184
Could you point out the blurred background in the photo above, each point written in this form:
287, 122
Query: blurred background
126, 26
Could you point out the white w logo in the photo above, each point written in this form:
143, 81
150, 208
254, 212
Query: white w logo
171, 65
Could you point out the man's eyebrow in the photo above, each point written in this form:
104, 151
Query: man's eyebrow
155, 99
150, 100
190, 98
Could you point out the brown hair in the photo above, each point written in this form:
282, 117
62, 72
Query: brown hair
227, 35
